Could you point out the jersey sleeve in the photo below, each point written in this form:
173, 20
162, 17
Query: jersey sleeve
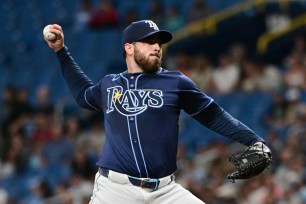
203, 109
85, 93
93, 97
191, 99
218, 120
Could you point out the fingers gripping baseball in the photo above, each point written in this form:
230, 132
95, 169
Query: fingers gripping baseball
55, 42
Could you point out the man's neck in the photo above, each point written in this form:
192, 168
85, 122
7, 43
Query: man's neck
132, 66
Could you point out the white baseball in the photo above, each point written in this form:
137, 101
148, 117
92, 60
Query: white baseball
48, 35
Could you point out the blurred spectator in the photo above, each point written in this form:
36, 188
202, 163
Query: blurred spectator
274, 192
225, 77
93, 139
7, 165
36, 160
256, 76
299, 46
295, 71
8, 112
201, 72
58, 150
82, 165
298, 126
3, 196
15, 157
40, 191
19, 144
289, 174
82, 15
22, 102
43, 104
270, 78
105, 16
9, 107
296, 107
249, 76
71, 129
42, 132
198, 10
60, 195
77, 191
262, 189
286, 109
156, 12
277, 21
237, 53
173, 19
275, 117
80, 189
180, 61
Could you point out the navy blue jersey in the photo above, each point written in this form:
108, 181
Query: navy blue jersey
141, 113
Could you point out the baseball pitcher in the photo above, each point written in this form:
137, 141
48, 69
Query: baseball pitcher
141, 109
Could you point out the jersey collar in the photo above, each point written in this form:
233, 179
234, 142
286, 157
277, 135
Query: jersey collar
127, 74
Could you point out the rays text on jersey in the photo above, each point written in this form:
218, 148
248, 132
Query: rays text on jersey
134, 101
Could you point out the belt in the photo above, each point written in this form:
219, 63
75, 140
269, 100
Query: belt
145, 183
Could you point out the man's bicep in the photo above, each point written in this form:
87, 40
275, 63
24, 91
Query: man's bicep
192, 100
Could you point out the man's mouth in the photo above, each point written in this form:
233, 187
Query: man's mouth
155, 55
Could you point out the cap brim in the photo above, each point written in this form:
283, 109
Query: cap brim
165, 36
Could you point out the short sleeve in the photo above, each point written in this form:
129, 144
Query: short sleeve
191, 99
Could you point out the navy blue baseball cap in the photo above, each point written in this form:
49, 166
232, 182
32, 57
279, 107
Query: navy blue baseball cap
140, 30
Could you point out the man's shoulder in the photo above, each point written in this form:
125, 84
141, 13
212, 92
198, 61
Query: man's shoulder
111, 76
176, 74
172, 72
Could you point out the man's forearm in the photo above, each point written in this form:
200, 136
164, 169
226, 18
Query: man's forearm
77, 81
218, 120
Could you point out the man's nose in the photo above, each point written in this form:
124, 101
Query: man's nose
157, 47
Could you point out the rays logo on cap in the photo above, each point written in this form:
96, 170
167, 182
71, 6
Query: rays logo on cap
139, 30
152, 25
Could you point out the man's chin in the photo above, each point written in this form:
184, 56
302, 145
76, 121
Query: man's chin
151, 70
151, 66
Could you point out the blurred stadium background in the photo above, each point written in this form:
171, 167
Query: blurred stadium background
250, 56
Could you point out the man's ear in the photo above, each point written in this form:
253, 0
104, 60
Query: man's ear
129, 48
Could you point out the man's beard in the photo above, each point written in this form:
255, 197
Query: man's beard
145, 63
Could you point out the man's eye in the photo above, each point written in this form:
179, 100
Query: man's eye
153, 42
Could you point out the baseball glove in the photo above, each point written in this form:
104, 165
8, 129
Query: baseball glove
251, 162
